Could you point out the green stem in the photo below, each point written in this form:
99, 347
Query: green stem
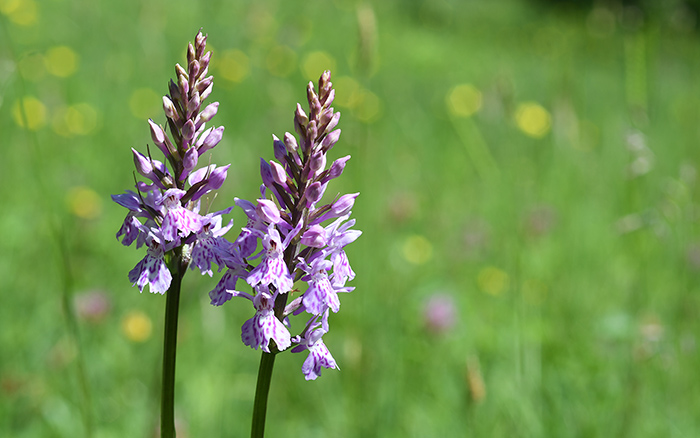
267, 362
172, 304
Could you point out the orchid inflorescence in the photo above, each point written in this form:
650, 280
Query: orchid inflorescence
296, 247
169, 203
296, 239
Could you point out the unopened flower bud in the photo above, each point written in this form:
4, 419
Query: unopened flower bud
157, 133
290, 142
324, 83
193, 71
267, 210
325, 118
314, 102
183, 86
198, 175
180, 71
344, 204
200, 42
190, 53
266, 173
328, 99
189, 162
333, 122
159, 138
204, 84
169, 109
212, 139
204, 63
314, 193
311, 134
280, 150
208, 112
174, 90
315, 237
207, 90
300, 120
337, 167
188, 130
278, 173
142, 163
217, 177
193, 105
330, 139
317, 162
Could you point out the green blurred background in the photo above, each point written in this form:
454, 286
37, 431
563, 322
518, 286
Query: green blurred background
528, 173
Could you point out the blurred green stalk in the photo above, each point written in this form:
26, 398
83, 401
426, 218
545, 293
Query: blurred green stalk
474, 143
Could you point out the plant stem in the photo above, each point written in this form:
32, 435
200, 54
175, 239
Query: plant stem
267, 362
172, 304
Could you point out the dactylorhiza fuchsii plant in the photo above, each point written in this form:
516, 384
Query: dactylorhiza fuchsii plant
301, 266
290, 253
165, 210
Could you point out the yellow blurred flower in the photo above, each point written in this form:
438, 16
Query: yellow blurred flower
368, 107
233, 65
61, 61
78, 119
137, 326
21, 12
365, 105
30, 113
417, 249
492, 280
84, 202
315, 63
464, 100
347, 91
533, 119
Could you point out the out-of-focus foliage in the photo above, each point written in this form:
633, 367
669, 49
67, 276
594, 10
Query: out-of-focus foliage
529, 199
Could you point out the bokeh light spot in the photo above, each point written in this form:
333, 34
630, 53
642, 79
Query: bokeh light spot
84, 202
233, 65
281, 61
368, 107
8, 7
81, 118
492, 280
315, 63
417, 249
440, 313
21, 12
61, 61
464, 100
33, 110
533, 119
137, 326
347, 91
92, 306
144, 103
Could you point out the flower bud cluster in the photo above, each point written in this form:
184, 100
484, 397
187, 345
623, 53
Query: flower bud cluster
164, 212
303, 266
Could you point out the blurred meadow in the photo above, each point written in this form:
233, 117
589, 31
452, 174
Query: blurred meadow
530, 263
